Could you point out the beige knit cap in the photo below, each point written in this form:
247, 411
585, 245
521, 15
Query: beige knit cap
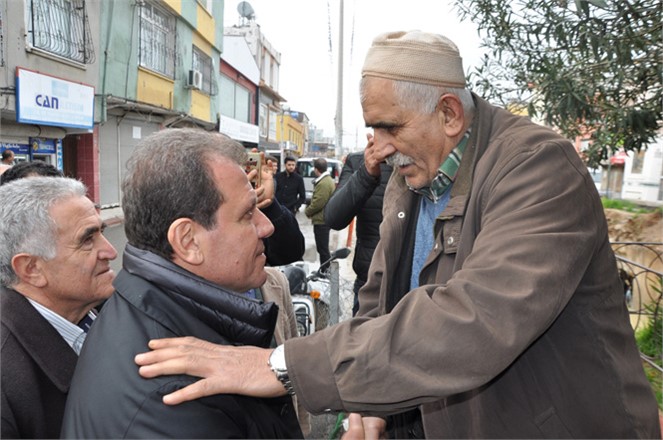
415, 56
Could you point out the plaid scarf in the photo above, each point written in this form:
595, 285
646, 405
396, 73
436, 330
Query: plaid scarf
446, 174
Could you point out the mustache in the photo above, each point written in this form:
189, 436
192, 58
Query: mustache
398, 159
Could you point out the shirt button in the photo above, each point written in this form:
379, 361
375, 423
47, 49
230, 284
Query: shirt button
450, 240
401, 214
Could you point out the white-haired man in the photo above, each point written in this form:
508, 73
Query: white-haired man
54, 269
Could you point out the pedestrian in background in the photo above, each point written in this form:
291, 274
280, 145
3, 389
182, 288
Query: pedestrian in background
7, 160
323, 187
359, 194
29, 169
290, 186
493, 306
286, 245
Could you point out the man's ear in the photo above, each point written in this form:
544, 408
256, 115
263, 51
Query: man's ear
28, 269
451, 114
183, 240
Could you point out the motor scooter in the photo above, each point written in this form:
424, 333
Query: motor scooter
311, 293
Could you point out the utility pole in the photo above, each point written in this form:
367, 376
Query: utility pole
339, 93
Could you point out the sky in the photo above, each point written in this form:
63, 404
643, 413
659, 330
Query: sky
303, 31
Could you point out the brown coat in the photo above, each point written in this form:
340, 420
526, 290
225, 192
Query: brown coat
519, 328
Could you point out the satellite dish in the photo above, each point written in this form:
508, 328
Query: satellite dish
246, 10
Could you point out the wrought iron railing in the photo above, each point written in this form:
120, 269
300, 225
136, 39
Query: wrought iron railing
62, 28
640, 267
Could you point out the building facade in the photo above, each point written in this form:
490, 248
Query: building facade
240, 77
49, 69
643, 174
269, 101
159, 68
292, 131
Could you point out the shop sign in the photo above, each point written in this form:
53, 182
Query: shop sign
47, 100
238, 130
16, 148
619, 158
45, 146
58, 155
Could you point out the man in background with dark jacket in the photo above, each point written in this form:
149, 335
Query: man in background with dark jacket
290, 186
195, 246
359, 194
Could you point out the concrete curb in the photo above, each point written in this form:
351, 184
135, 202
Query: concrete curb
112, 216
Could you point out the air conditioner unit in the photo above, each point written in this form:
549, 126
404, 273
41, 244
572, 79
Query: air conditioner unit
195, 79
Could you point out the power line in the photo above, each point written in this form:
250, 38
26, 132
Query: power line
329, 32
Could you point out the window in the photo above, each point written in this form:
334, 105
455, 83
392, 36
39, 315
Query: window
272, 124
157, 40
265, 72
638, 160
262, 123
61, 27
235, 101
203, 63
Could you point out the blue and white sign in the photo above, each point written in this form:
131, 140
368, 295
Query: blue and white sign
47, 100
43, 146
58, 159
16, 148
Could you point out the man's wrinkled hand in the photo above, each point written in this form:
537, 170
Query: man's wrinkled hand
224, 369
374, 156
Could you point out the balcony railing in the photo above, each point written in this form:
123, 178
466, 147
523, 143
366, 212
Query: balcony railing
61, 28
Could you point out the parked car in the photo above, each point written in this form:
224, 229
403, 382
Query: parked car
305, 169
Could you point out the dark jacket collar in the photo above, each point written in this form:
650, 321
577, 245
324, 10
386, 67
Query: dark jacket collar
240, 319
38, 337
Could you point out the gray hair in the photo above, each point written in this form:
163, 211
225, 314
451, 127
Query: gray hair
424, 97
26, 225
168, 177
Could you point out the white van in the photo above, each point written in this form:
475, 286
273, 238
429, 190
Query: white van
305, 169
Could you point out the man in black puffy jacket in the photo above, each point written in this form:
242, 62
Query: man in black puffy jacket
195, 247
359, 194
